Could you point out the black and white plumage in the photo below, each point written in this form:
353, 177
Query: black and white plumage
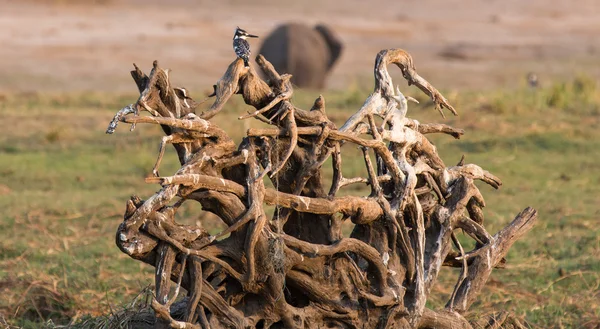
241, 46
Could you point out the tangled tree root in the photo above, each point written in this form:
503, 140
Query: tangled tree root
295, 269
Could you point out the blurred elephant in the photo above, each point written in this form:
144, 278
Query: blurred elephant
305, 52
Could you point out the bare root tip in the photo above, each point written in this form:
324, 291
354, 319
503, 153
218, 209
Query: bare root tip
153, 180
111, 128
440, 109
412, 99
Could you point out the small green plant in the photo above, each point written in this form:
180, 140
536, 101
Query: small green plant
574, 96
54, 135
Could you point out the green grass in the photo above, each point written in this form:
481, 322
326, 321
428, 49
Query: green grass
64, 184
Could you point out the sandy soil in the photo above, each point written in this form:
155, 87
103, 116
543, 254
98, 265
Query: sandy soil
74, 45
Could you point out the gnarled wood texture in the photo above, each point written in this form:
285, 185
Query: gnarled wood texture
295, 269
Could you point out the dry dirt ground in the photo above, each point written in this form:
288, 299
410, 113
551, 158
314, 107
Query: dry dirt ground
78, 45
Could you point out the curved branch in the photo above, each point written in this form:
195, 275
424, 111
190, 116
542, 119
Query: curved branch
474, 172
490, 255
112, 126
430, 128
443, 319
190, 123
383, 81
358, 247
350, 206
255, 91
293, 131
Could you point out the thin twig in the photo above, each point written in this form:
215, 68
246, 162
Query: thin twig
463, 273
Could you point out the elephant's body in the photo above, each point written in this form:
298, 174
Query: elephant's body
305, 52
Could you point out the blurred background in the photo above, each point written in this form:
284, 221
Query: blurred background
523, 75
89, 45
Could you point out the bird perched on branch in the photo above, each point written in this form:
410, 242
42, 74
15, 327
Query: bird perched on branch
241, 46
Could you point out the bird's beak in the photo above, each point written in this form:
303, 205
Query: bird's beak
252, 36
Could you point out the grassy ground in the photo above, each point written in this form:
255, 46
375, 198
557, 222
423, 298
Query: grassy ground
64, 183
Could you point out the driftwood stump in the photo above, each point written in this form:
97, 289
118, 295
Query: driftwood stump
295, 269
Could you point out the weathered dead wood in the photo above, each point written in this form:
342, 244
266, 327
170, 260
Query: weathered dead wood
297, 270
488, 256
383, 81
442, 319
365, 210
423, 128
231, 83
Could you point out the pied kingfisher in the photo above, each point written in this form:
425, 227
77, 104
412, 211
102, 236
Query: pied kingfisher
241, 46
